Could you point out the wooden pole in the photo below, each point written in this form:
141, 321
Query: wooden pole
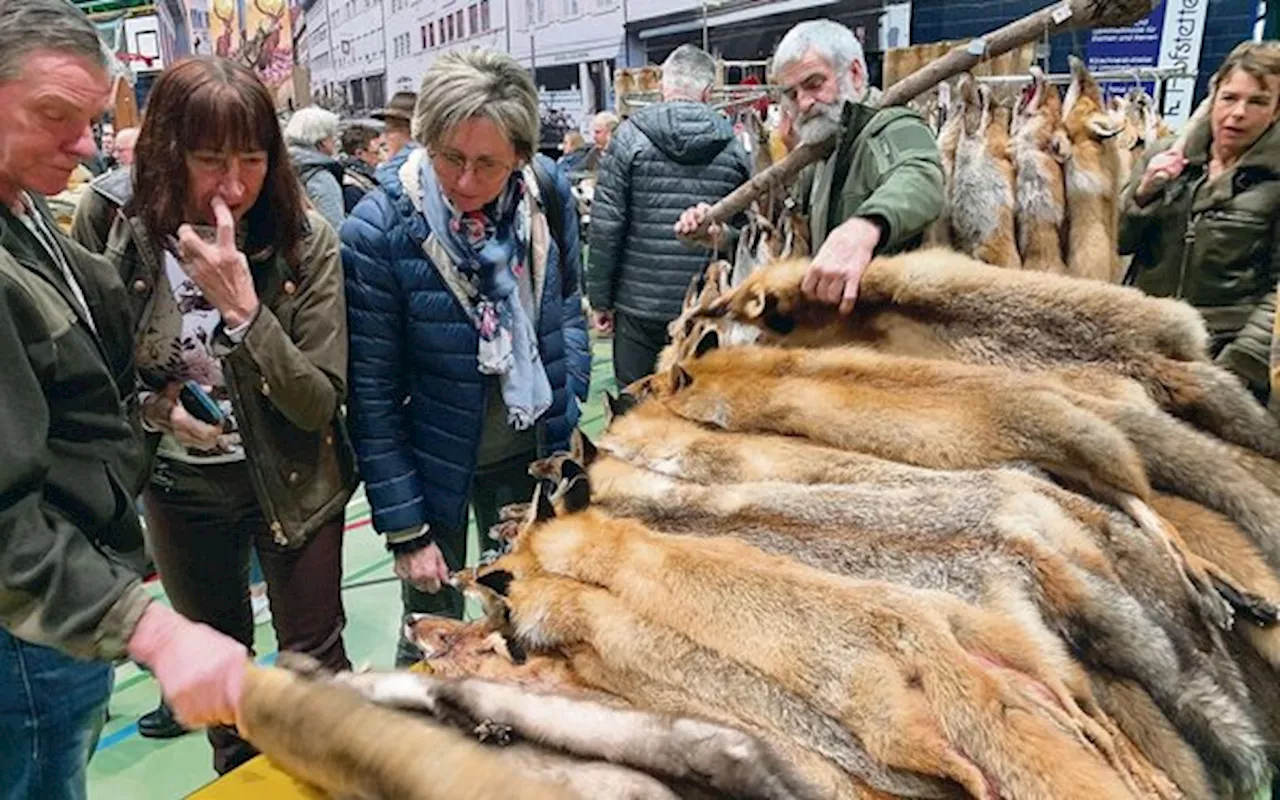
1062, 16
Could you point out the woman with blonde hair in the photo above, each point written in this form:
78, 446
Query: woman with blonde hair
469, 349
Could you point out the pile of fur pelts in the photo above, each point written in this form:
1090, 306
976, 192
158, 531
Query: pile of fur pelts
1037, 187
993, 535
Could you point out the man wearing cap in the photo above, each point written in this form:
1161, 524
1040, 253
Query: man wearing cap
399, 142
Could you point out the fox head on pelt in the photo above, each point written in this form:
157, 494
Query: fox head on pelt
771, 299
1084, 112
974, 105
567, 492
1038, 113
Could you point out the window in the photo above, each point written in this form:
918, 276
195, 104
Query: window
440, 38
450, 18
462, 31
428, 32
473, 17
484, 15
542, 11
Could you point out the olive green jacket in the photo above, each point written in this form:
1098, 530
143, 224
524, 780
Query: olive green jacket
70, 459
1216, 245
886, 167
287, 377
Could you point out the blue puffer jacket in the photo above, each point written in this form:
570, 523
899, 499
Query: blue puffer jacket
416, 397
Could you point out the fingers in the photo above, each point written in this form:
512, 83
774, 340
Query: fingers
850, 296
809, 286
190, 246
226, 223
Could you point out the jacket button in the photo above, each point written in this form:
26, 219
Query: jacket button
266, 388
290, 287
139, 286
328, 439
293, 478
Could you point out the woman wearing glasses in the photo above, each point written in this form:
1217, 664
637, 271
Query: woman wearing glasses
469, 349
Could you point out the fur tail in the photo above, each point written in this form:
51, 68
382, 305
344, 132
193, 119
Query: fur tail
1075, 445
1214, 400
1185, 462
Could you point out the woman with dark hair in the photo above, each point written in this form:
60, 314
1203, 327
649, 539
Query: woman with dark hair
237, 292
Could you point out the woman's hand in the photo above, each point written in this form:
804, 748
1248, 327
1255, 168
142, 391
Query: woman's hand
163, 411
425, 568
219, 269
1162, 169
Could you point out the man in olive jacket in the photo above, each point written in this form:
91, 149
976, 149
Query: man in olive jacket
661, 160
71, 458
882, 186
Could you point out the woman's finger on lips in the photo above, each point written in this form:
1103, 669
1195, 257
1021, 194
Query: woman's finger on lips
226, 223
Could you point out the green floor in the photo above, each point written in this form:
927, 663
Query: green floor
128, 767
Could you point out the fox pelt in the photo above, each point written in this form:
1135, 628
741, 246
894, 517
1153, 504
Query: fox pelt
996, 539
746, 624
941, 304
332, 738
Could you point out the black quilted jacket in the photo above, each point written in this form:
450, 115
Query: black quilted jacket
662, 160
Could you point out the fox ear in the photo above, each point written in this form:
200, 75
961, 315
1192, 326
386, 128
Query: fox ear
499, 581
680, 378
755, 305
589, 450
544, 510
577, 492
710, 340
1103, 127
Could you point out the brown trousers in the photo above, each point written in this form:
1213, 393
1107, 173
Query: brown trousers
201, 523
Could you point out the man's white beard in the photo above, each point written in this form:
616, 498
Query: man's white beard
823, 120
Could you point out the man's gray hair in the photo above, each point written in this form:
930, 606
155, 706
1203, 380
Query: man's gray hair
27, 26
464, 85
310, 126
689, 72
830, 40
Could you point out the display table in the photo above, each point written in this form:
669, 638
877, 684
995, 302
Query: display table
258, 778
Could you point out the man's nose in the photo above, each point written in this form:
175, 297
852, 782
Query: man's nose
84, 146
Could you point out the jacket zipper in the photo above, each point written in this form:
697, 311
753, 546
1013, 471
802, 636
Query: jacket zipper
1189, 237
255, 474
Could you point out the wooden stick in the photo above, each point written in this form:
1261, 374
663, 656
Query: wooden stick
1062, 16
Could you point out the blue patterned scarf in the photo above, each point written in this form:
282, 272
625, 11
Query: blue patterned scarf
490, 250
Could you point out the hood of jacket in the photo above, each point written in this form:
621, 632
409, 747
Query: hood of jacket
687, 132
309, 159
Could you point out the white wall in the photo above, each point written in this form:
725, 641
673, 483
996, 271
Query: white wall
405, 67
358, 43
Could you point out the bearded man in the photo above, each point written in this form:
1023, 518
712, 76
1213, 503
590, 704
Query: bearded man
880, 188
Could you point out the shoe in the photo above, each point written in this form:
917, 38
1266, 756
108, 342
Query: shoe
161, 724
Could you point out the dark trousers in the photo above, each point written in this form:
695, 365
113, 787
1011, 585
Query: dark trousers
494, 486
202, 522
52, 708
636, 344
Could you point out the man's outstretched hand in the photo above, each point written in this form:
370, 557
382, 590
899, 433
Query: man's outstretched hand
836, 270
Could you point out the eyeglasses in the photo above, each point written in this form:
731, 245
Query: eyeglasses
453, 165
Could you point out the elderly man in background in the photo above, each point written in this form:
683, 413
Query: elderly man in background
312, 136
662, 159
73, 457
361, 155
397, 137
126, 139
879, 189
